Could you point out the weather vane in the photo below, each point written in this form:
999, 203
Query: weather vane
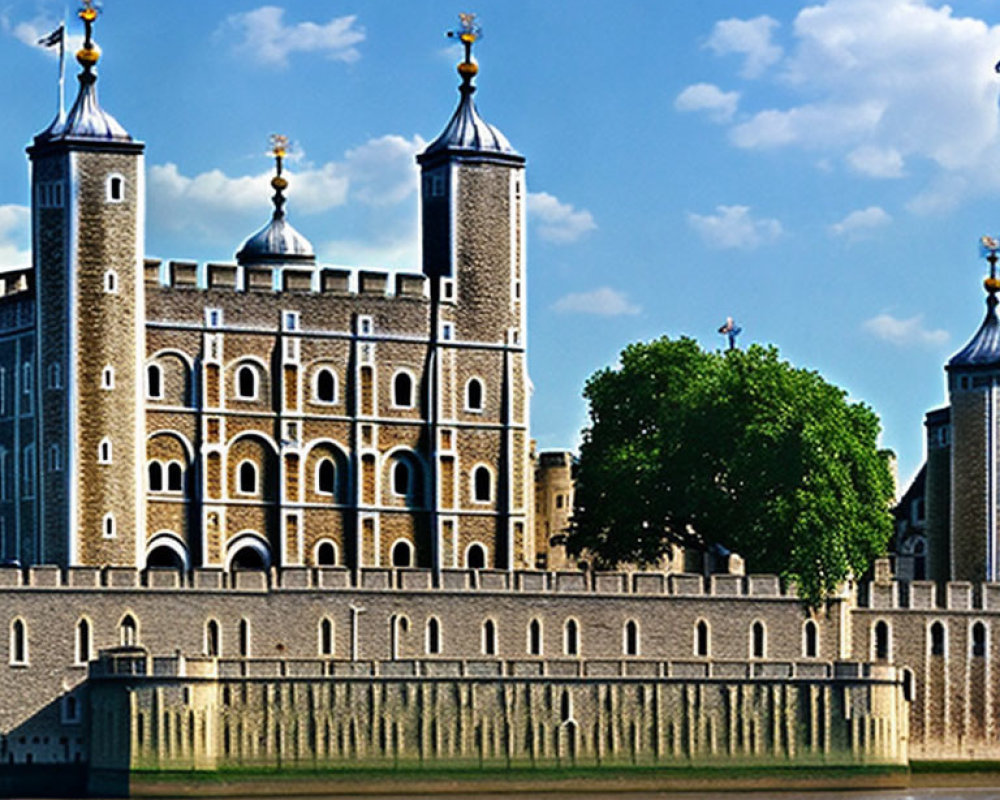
468, 32
88, 55
731, 330
989, 248
279, 149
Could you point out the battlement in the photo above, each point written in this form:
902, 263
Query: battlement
409, 580
930, 596
189, 275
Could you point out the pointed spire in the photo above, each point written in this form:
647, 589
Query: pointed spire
277, 242
86, 119
467, 134
983, 350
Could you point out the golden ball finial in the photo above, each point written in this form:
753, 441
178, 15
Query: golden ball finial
991, 284
88, 56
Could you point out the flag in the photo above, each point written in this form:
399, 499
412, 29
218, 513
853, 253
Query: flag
54, 38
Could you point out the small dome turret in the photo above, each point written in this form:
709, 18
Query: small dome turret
467, 134
277, 242
86, 119
983, 350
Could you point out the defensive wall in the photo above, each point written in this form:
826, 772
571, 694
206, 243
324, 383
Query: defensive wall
392, 628
177, 714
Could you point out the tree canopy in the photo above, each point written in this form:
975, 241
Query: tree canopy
738, 449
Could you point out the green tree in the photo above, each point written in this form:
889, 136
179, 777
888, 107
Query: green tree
738, 449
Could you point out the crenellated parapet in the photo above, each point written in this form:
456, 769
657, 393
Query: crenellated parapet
750, 587
189, 275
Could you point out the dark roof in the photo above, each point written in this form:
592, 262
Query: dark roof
983, 350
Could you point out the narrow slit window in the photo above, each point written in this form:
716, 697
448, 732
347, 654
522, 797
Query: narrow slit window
154, 382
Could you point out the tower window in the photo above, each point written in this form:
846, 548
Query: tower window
155, 476
246, 383
571, 638
175, 477
630, 644
82, 641
128, 631
810, 640
115, 188
489, 638
433, 637
28, 471
535, 638
26, 372
758, 643
882, 643
108, 377
978, 640
109, 526
244, 638
213, 642
55, 458
937, 639
481, 484
154, 382
701, 640
326, 476
111, 282
474, 395
247, 480
104, 452
325, 637
475, 557
402, 390
18, 643
326, 554
326, 386
401, 478
55, 375
402, 554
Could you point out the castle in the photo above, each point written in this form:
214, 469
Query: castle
273, 514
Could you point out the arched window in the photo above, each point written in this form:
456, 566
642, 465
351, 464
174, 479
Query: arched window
474, 395
247, 477
402, 390
402, 554
978, 640
111, 282
82, 641
630, 639
115, 189
937, 639
326, 554
213, 641
882, 645
489, 638
246, 383
401, 475
325, 637
55, 375
571, 638
908, 685
55, 458
109, 526
104, 451
326, 386
154, 382
175, 477
244, 638
155, 470
326, 476
128, 631
475, 557
108, 377
758, 644
566, 706
433, 637
398, 626
481, 484
18, 642
701, 639
810, 639
535, 638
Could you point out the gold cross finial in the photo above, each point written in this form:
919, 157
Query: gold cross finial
468, 32
88, 11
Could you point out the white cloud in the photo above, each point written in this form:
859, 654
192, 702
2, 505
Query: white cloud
384, 171
876, 162
15, 226
734, 227
903, 332
708, 97
880, 85
747, 37
860, 223
263, 34
556, 221
605, 302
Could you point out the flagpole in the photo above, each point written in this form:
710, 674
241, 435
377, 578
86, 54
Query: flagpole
62, 72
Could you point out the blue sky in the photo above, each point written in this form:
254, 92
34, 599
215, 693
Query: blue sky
821, 172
